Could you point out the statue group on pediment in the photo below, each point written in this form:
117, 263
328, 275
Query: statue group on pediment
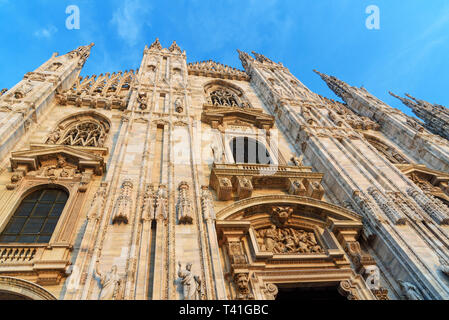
288, 241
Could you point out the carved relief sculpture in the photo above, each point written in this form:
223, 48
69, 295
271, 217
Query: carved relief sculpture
288, 241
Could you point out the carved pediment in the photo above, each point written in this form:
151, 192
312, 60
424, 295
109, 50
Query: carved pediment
215, 116
58, 158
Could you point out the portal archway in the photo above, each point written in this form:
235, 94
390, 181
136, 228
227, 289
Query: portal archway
273, 244
18, 289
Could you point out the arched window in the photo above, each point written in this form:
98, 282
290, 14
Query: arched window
247, 150
35, 219
83, 130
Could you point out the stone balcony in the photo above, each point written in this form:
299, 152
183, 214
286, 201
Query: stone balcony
239, 180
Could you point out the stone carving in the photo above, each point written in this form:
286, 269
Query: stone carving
161, 203
241, 281
54, 137
111, 284
184, 204
366, 206
175, 48
207, 205
410, 291
218, 154
387, 206
288, 241
147, 206
217, 70
388, 152
97, 206
156, 45
281, 215
54, 67
438, 212
236, 254
298, 161
124, 203
191, 284
23, 90
142, 105
349, 290
271, 291
178, 106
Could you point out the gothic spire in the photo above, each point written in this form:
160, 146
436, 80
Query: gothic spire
409, 103
246, 59
435, 117
174, 47
83, 52
156, 45
261, 58
340, 88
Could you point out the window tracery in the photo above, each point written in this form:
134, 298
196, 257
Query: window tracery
85, 130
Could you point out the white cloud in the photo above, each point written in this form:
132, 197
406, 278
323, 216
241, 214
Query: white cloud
47, 32
130, 18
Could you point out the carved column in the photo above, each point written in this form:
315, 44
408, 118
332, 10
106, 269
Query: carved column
208, 212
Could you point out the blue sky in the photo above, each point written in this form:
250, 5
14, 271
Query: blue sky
410, 52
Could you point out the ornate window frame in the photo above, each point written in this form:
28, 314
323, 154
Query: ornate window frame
65, 125
66, 168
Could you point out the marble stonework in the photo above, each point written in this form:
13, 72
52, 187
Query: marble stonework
353, 195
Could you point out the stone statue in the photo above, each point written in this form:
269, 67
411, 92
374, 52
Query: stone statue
410, 291
111, 284
217, 153
191, 284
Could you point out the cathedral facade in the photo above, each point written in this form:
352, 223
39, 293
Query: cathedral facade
199, 181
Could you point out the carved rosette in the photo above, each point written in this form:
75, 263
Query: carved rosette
184, 205
124, 203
